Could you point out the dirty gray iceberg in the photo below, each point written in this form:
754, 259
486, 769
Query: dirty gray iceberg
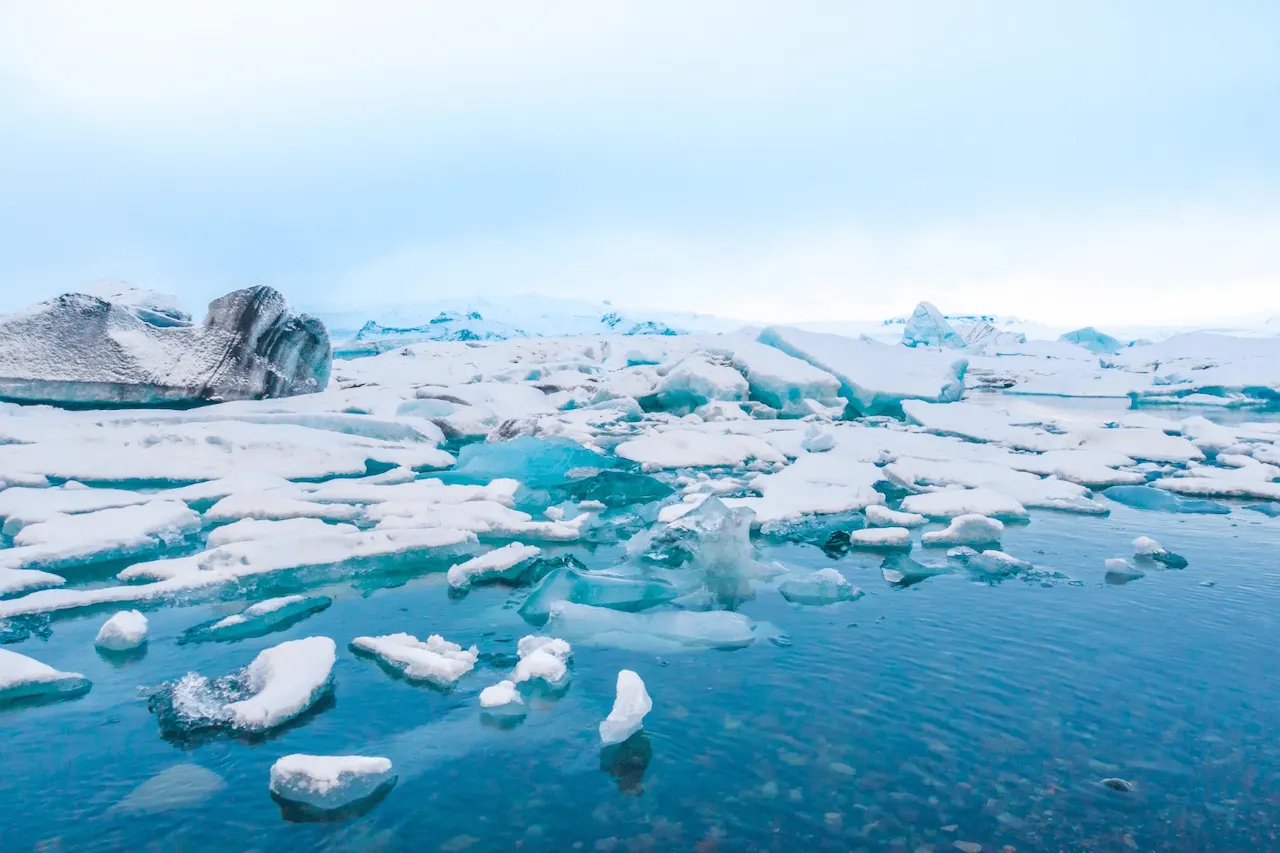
84, 349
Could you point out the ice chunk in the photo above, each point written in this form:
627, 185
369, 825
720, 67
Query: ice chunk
502, 702
1159, 500
536, 462
615, 489
678, 448
779, 380
950, 503
82, 349
14, 581
1271, 508
630, 706
1094, 341
329, 783
881, 538
982, 423
717, 629
72, 540
22, 677
989, 562
1024, 488
256, 620
698, 379
284, 681
22, 506
122, 632
970, 529
1120, 570
812, 485
926, 327
277, 505
825, 586
901, 570
509, 563
176, 787
1144, 547
254, 530
882, 516
544, 658
437, 661
874, 378
599, 589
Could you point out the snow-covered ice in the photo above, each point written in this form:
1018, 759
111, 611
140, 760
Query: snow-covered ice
436, 661
505, 563
328, 783
630, 706
283, 681
22, 677
124, 631
881, 538
970, 529
882, 516
260, 618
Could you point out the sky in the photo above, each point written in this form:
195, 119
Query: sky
1075, 161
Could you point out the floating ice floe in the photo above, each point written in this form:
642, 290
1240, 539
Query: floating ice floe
716, 629
688, 449
258, 619
176, 787
64, 541
544, 658
882, 516
506, 563
14, 581
970, 529
330, 783
502, 700
926, 327
825, 586
901, 570
881, 538
989, 562
22, 678
630, 706
1146, 497
1120, 570
122, 632
284, 681
951, 503
436, 661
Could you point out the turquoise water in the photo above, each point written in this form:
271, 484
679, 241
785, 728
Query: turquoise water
910, 719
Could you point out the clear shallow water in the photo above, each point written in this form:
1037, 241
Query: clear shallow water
947, 711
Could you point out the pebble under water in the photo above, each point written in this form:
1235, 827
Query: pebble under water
952, 714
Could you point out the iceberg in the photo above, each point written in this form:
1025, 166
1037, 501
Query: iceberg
544, 658
926, 327
256, 620
125, 631
1098, 343
699, 379
874, 378
24, 678
81, 349
325, 784
630, 706
971, 529
437, 661
64, 541
781, 381
825, 586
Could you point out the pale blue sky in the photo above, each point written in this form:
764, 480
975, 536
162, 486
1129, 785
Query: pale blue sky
1091, 161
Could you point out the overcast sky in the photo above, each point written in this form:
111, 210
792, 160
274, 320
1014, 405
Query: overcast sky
1069, 161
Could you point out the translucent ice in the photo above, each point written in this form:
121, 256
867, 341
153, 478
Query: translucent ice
256, 620
536, 462
436, 661
825, 586
122, 632
630, 706
901, 570
508, 563
971, 529
599, 589
989, 562
1094, 341
617, 488
1144, 547
926, 327
329, 783
175, 787
717, 629
1120, 570
881, 538
22, 677
1145, 497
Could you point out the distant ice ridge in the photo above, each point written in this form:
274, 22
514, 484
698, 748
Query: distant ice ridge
329, 783
123, 346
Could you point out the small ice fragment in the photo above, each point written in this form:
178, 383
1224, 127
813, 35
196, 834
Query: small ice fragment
327, 783
990, 562
505, 563
1148, 548
971, 529
542, 657
273, 614
1120, 569
555, 513
1124, 786
502, 695
629, 709
122, 632
1159, 500
825, 586
437, 661
22, 677
285, 680
881, 538
882, 516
